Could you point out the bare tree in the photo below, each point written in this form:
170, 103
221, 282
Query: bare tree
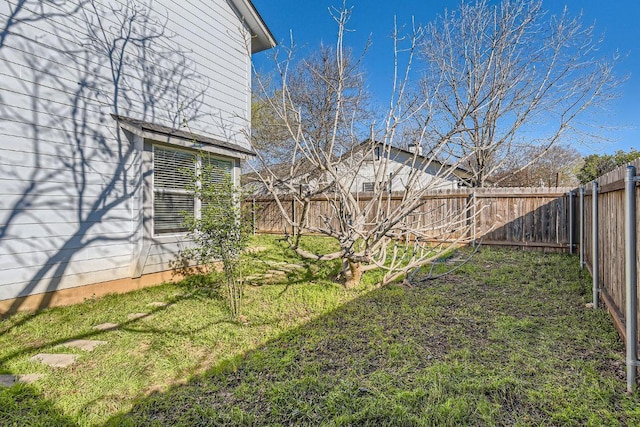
268, 133
555, 167
311, 86
512, 76
334, 142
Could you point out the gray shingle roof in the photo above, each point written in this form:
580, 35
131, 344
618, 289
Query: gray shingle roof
181, 134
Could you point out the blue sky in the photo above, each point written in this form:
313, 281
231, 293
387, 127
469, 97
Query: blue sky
617, 20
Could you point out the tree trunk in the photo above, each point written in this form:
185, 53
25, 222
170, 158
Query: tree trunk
352, 273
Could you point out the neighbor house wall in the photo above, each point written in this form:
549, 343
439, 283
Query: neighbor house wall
429, 174
71, 180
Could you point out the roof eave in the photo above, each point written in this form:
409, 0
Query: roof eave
184, 139
262, 39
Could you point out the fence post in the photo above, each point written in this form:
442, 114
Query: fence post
293, 216
471, 217
571, 221
581, 227
595, 262
475, 218
631, 312
253, 215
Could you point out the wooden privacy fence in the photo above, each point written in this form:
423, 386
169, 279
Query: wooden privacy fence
599, 219
608, 243
521, 217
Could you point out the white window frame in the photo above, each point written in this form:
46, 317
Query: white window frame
384, 186
197, 168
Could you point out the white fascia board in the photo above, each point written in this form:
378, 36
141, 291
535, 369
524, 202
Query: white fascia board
262, 39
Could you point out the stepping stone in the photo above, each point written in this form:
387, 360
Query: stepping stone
86, 345
55, 360
136, 316
285, 266
29, 378
276, 272
254, 249
291, 267
7, 380
158, 304
106, 326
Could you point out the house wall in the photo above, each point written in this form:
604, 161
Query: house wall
71, 181
429, 175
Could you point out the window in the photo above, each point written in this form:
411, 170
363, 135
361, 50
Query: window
170, 183
369, 187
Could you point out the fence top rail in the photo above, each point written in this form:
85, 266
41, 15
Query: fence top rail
488, 192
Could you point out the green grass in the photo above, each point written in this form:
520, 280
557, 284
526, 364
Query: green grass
505, 340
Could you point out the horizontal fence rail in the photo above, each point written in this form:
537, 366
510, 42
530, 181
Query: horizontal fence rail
536, 218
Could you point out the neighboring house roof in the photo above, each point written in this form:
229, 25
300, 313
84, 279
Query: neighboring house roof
262, 37
154, 131
459, 171
304, 168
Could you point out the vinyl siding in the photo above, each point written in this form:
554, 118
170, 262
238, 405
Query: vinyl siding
74, 188
430, 176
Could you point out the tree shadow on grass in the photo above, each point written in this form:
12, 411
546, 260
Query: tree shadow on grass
330, 368
128, 325
471, 349
22, 405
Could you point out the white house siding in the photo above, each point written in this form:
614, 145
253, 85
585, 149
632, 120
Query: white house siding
71, 186
430, 174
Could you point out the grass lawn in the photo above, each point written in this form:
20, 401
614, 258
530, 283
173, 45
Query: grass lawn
505, 340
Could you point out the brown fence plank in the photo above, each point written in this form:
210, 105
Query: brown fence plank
532, 217
611, 240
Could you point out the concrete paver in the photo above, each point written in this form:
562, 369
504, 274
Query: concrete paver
55, 360
135, 316
157, 304
29, 378
7, 380
106, 326
86, 345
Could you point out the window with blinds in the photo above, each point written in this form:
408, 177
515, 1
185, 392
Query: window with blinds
170, 181
217, 169
171, 178
369, 187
